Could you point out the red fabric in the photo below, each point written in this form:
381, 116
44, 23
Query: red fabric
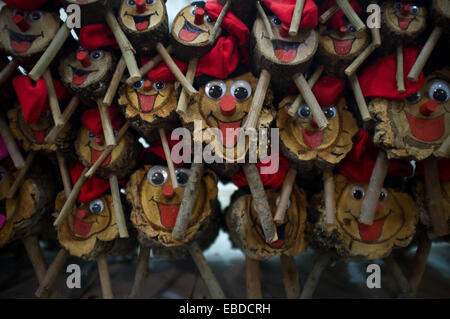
92, 121
284, 9
96, 36
378, 79
93, 188
443, 168
25, 5
162, 73
338, 19
270, 180
33, 96
360, 161
328, 89
158, 149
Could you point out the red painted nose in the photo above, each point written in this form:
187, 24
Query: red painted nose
168, 191
342, 31
406, 9
227, 105
284, 31
147, 85
81, 214
199, 16
20, 21
428, 107
83, 57
140, 6
98, 140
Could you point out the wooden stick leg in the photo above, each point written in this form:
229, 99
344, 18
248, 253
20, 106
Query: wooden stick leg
8, 70
351, 15
66, 115
286, 190
118, 209
351, 69
65, 176
258, 100
420, 260
290, 277
405, 289
184, 97
141, 272
330, 204
115, 81
370, 203
253, 278
359, 97
189, 199
265, 19
11, 145
165, 144
206, 272
52, 273
53, 100
376, 37
219, 20
399, 76
108, 132
328, 14
21, 174
314, 276
296, 17
105, 279
36, 256
261, 204
444, 150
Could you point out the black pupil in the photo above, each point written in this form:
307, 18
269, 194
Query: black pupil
413, 97
158, 178
277, 21
35, 16
138, 85
440, 95
329, 113
131, 2
382, 196
149, 1
96, 55
209, 19
91, 135
352, 28
305, 112
240, 93
159, 85
215, 91
182, 178
357, 194
96, 208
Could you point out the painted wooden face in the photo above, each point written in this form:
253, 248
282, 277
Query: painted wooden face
42, 27
150, 18
303, 138
343, 43
186, 31
393, 225
156, 203
287, 51
417, 126
86, 224
401, 17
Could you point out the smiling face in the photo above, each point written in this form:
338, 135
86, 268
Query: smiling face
303, 140
345, 43
156, 203
417, 126
37, 29
404, 19
141, 19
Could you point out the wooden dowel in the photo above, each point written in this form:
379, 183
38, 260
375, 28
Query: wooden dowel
52, 274
285, 194
434, 197
10, 143
141, 272
351, 15
370, 203
190, 196
189, 89
310, 100
424, 55
328, 14
299, 99
165, 144
21, 174
253, 278
290, 277
115, 81
261, 204
53, 100
420, 260
125, 46
258, 100
359, 97
219, 20
399, 277
206, 272
183, 101
296, 17
71, 199
314, 276
376, 37
58, 41
265, 20
118, 209
36, 256
108, 131
444, 149
105, 279
8, 70
351, 69
65, 176
328, 189
66, 115
399, 76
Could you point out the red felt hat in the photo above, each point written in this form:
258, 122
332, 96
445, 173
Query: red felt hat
284, 9
162, 73
360, 161
338, 19
33, 96
92, 121
93, 188
378, 79
148, 155
270, 180
25, 5
328, 89
96, 36
443, 168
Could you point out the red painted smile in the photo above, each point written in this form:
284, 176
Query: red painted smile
426, 130
343, 47
371, 232
403, 23
231, 139
168, 214
81, 228
189, 32
285, 51
146, 102
312, 138
96, 154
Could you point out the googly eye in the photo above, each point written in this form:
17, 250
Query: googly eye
36, 15
131, 3
351, 28
192, 10
439, 91
275, 21
383, 194
150, 2
96, 206
3, 174
91, 135
414, 98
138, 85
96, 55
182, 175
330, 112
304, 111
215, 89
398, 5
357, 192
157, 175
414, 10
158, 86
209, 20
241, 90
287, 205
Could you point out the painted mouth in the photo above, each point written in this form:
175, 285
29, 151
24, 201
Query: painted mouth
168, 214
285, 51
142, 22
21, 42
372, 232
189, 32
312, 138
403, 23
80, 227
426, 130
96, 154
79, 76
343, 47
146, 102
280, 242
